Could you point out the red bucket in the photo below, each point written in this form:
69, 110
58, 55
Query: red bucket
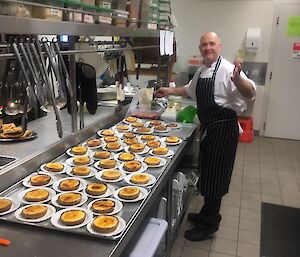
247, 125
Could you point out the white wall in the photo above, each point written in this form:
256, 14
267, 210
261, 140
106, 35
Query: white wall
230, 19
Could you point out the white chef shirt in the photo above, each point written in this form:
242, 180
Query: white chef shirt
226, 94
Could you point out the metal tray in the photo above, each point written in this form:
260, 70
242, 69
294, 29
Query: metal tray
21, 139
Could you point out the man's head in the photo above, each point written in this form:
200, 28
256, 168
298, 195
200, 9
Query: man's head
210, 47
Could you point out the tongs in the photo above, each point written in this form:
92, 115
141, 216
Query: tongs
50, 88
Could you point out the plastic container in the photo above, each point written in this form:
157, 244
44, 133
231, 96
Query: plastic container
247, 125
47, 13
119, 18
154, 113
187, 115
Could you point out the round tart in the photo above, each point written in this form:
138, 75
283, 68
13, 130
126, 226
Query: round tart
69, 184
132, 166
129, 193
122, 127
126, 157
5, 205
131, 119
137, 148
110, 139
160, 128
36, 195
148, 137
137, 124
161, 150
54, 166
102, 154
69, 199
96, 189
103, 206
81, 160
107, 164
129, 135
113, 146
143, 130
155, 122
79, 150
152, 161
72, 217
172, 139
105, 224
111, 174
130, 141
40, 180
81, 171
34, 211
107, 132
140, 178
153, 144
93, 142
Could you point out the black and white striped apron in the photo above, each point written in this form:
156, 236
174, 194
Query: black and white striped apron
219, 138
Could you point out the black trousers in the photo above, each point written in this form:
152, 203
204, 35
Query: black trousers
209, 213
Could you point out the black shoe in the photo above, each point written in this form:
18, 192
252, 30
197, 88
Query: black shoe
200, 233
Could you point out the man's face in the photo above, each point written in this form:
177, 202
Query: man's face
210, 47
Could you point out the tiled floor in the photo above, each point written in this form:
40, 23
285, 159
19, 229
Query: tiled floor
267, 170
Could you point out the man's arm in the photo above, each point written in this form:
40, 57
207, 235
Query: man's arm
165, 91
243, 85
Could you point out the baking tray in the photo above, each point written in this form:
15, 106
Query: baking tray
21, 139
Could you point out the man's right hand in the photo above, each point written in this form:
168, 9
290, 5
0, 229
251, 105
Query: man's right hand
161, 92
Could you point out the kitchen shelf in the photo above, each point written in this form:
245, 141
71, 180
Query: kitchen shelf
20, 25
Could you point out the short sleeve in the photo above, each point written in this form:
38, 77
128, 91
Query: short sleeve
190, 88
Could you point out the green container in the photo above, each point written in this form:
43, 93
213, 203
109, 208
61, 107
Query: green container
187, 115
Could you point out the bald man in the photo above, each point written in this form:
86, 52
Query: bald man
222, 91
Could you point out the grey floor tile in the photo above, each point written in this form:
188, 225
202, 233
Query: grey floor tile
251, 188
251, 225
271, 190
275, 199
204, 245
176, 250
251, 196
247, 236
224, 246
229, 233
230, 211
291, 202
247, 250
250, 214
215, 254
230, 221
249, 204
192, 251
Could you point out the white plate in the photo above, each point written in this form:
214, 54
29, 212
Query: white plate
26, 181
68, 152
71, 163
178, 125
164, 131
116, 150
121, 226
143, 194
110, 190
144, 133
92, 173
136, 157
122, 131
129, 123
42, 167
150, 125
99, 177
100, 135
56, 223
21, 195
146, 150
163, 162
151, 181
170, 153
167, 143
93, 147
15, 205
110, 157
143, 168
118, 206
96, 165
54, 201
50, 211
82, 184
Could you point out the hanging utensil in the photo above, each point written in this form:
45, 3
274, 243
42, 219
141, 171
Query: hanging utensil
50, 90
64, 68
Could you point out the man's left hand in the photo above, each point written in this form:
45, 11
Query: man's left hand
236, 71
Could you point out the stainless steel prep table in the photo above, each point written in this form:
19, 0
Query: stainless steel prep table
31, 241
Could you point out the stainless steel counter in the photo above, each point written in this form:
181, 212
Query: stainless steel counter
34, 241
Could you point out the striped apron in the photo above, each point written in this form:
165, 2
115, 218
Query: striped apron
219, 138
